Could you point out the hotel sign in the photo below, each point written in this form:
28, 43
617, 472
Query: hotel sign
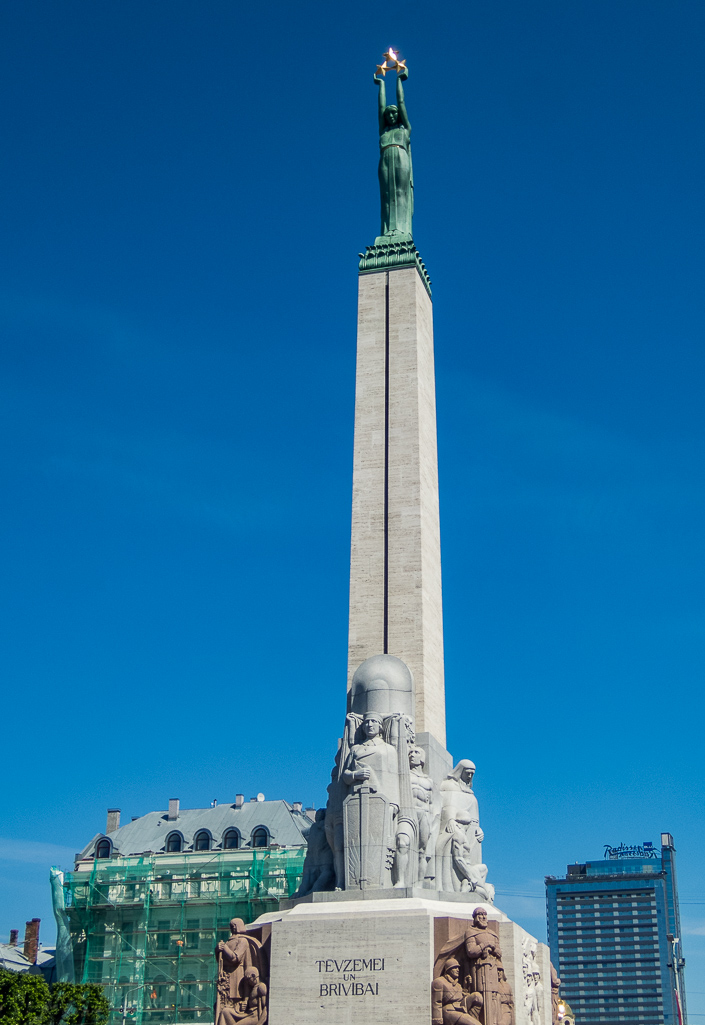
647, 850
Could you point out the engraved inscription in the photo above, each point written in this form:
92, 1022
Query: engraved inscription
349, 968
351, 964
348, 989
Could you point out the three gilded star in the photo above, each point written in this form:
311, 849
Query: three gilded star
391, 62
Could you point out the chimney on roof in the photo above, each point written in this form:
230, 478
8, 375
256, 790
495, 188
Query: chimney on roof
13, 937
311, 813
31, 940
113, 822
239, 800
173, 809
297, 805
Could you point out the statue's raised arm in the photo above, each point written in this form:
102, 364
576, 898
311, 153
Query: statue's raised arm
382, 101
403, 116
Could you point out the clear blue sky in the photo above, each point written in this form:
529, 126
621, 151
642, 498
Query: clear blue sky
185, 191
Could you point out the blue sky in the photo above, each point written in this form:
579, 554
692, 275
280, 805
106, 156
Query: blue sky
186, 188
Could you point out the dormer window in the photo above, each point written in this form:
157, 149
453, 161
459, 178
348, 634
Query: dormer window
231, 840
173, 843
260, 837
202, 841
102, 849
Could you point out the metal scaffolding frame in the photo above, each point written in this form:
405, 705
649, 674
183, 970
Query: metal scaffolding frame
145, 928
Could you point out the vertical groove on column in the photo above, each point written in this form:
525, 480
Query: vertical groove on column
386, 464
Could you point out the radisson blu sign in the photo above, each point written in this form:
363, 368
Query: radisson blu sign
647, 850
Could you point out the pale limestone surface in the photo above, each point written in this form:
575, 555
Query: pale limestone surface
413, 591
515, 942
366, 624
387, 945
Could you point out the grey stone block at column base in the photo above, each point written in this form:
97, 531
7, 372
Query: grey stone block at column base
352, 963
438, 761
387, 893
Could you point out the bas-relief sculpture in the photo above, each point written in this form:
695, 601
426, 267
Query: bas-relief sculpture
387, 823
450, 1003
506, 1000
475, 957
533, 986
555, 996
241, 992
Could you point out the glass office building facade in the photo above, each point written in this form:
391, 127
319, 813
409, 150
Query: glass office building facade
615, 938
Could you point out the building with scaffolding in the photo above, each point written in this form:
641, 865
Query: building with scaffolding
147, 902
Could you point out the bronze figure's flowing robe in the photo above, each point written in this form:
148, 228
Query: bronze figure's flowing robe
395, 181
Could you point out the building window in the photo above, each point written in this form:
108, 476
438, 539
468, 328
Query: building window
260, 837
163, 936
188, 991
202, 841
103, 849
231, 840
173, 843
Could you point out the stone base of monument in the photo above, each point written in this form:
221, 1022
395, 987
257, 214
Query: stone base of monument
351, 962
389, 893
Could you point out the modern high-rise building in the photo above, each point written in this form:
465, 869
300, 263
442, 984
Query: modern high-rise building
615, 937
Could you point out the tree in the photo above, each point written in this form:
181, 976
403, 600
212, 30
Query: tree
74, 1004
27, 1000
23, 998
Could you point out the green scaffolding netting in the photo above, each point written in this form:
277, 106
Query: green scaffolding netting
145, 928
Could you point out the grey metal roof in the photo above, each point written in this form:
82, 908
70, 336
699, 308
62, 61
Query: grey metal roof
12, 958
147, 834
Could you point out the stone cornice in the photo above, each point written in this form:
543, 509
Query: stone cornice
389, 253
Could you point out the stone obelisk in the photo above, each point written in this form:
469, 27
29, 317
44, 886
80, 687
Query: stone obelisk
395, 559
394, 921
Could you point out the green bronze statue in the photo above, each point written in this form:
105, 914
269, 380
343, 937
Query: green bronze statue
396, 179
394, 247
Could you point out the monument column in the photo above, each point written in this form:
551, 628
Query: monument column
395, 560
394, 920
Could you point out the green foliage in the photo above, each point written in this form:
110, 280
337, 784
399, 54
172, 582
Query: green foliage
23, 998
73, 1004
27, 1000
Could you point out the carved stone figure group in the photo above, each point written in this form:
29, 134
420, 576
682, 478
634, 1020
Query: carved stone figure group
387, 821
533, 986
241, 989
469, 982
459, 846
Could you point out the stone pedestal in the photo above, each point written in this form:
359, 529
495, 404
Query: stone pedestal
357, 962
